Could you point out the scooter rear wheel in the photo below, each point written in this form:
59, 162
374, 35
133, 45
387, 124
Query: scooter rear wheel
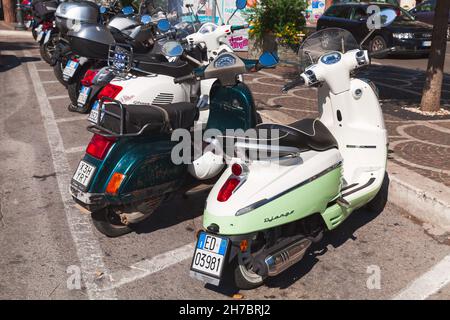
58, 69
108, 223
246, 279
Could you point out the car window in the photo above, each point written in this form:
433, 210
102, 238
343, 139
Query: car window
358, 13
338, 12
426, 6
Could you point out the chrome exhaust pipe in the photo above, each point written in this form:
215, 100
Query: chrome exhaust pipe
286, 257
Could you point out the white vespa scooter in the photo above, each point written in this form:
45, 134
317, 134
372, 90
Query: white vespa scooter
158, 87
265, 211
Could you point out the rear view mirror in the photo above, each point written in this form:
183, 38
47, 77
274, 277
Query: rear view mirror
163, 25
146, 19
127, 10
268, 59
241, 4
172, 49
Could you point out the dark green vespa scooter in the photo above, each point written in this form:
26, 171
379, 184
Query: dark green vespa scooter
128, 168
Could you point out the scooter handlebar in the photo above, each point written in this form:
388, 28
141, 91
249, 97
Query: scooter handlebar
381, 52
188, 77
239, 27
294, 83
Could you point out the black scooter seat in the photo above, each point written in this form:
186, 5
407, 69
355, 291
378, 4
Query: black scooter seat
305, 134
171, 69
154, 118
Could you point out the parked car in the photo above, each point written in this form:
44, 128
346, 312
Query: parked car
405, 33
425, 12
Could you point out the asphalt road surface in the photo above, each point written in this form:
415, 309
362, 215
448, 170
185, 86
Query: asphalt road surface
45, 240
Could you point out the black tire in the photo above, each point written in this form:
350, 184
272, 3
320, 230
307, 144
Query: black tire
58, 69
74, 86
109, 224
377, 204
46, 50
377, 44
245, 279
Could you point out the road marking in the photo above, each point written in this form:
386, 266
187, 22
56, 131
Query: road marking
70, 119
58, 97
44, 70
429, 283
148, 267
76, 149
49, 81
398, 88
88, 249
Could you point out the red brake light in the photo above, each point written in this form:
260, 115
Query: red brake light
236, 169
88, 77
227, 189
99, 146
109, 91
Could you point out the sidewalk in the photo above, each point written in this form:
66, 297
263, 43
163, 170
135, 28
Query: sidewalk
419, 145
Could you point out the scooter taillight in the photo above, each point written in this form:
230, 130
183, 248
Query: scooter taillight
88, 77
99, 146
227, 189
109, 91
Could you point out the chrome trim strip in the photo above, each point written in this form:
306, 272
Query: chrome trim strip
262, 202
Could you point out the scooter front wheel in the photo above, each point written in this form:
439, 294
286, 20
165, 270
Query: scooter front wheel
246, 279
109, 223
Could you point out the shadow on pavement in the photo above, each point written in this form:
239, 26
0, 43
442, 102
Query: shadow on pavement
8, 62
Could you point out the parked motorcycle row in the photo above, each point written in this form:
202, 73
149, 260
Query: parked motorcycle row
140, 76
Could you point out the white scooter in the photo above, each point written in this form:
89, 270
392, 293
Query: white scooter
268, 208
156, 86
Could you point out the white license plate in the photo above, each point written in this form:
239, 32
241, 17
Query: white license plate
93, 115
39, 36
426, 44
83, 96
70, 68
84, 173
209, 255
28, 23
47, 36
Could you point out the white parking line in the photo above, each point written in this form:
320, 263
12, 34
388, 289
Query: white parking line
76, 149
70, 119
44, 70
49, 81
147, 267
429, 283
88, 249
58, 97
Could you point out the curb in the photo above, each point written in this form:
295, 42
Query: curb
429, 203
15, 33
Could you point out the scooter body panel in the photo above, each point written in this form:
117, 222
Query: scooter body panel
231, 108
146, 164
273, 194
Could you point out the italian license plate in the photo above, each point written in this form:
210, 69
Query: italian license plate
70, 68
209, 257
93, 115
47, 36
83, 96
84, 173
39, 36
28, 23
426, 44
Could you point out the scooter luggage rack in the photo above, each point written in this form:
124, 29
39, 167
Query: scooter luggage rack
99, 129
120, 59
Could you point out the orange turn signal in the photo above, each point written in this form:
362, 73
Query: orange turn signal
114, 183
243, 245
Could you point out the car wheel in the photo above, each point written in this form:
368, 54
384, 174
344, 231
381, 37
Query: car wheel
377, 44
